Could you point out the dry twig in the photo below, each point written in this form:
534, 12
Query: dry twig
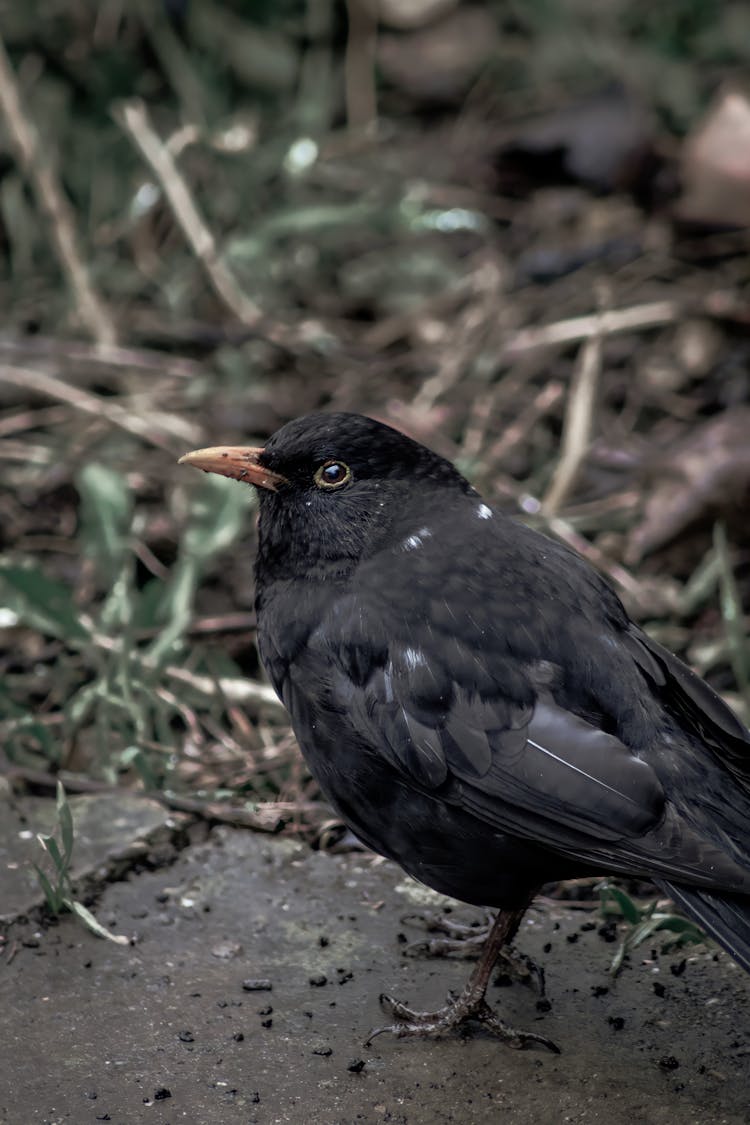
542, 403
650, 315
156, 429
468, 339
118, 359
232, 690
359, 68
579, 416
52, 202
134, 119
262, 819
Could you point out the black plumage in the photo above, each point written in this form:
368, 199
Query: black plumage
472, 697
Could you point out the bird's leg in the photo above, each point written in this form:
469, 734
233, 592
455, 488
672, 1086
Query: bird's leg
461, 940
470, 1004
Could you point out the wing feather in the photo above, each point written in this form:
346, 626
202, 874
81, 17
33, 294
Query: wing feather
508, 752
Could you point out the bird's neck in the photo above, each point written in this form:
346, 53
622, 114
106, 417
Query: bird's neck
289, 549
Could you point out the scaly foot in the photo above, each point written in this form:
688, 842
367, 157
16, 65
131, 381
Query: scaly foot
457, 1012
470, 1004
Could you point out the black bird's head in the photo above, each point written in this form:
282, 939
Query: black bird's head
331, 486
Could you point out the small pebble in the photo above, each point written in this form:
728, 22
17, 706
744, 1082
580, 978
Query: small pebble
259, 985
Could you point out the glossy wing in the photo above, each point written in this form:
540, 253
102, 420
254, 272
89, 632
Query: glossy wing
696, 705
527, 767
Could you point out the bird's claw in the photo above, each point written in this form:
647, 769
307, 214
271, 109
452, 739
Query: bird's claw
408, 1023
519, 966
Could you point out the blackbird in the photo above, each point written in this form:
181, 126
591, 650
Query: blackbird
473, 699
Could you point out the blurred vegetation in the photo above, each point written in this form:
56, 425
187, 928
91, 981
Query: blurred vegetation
217, 216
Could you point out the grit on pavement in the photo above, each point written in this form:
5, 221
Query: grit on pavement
253, 979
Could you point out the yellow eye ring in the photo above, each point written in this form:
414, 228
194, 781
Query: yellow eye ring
332, 474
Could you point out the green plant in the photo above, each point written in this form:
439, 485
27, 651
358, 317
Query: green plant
644, 921
104, 686
58, 890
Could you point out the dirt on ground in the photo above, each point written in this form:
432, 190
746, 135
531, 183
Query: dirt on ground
253, 980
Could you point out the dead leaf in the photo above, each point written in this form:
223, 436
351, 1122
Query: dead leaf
716, 165
439, 62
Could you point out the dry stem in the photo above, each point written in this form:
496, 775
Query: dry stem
133, 117
52, 202
359, 68
146, 426
649, 315
579, 415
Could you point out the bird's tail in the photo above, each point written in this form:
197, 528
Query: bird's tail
726, 917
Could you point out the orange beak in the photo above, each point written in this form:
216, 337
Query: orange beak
235, 461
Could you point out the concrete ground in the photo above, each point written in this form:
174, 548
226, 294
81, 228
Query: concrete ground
253, 979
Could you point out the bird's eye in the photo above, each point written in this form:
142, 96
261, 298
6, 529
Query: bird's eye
332, 474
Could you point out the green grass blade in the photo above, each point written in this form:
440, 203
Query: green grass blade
51, 847
41, 602
624, 903
65, 820
96, 927
105, 516
54, 900
217, 518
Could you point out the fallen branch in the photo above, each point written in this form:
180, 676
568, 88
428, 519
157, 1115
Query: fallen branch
222, 812
262, 819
